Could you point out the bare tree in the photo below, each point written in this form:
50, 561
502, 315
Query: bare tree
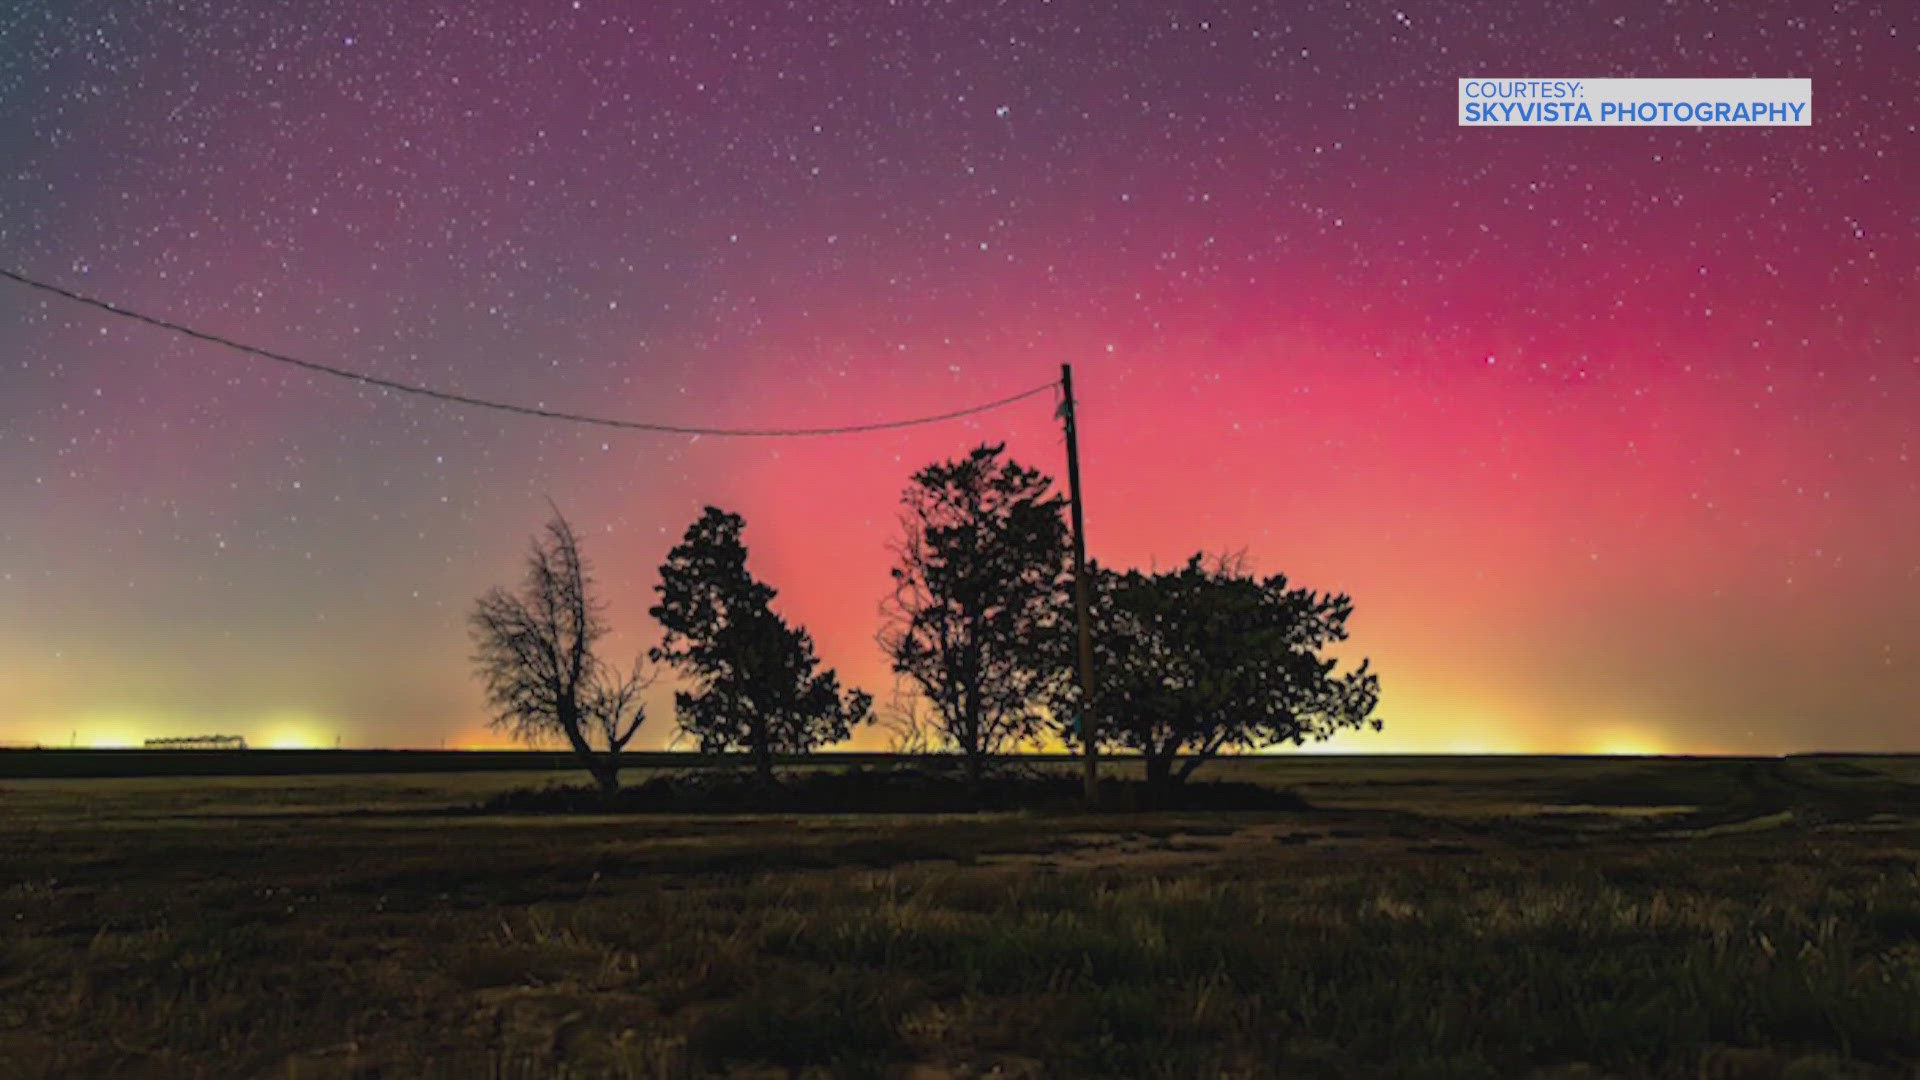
534, 650
911, 732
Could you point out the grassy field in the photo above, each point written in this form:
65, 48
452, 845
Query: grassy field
31, 764
1429, 917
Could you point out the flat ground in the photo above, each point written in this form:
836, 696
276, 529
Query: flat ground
1497, 917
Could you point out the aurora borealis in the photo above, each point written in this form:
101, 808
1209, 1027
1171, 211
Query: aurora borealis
1610, 433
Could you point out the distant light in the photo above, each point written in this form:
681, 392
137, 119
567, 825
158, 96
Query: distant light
293, 731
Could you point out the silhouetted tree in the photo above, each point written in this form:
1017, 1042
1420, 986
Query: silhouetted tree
1209, 657
979, 595
910, 730
535, 653
756, 683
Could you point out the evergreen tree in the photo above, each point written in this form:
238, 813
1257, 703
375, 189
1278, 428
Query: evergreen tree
757, 682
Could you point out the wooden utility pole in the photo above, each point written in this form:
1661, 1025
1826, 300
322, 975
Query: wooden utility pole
1088, 725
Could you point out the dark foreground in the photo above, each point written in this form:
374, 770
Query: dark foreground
1476, 917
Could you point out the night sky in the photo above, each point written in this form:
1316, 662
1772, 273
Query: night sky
1610, 433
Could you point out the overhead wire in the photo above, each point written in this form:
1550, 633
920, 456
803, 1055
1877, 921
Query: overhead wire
507, 406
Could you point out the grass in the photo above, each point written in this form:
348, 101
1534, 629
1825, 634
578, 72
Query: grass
913, 789
1431, 926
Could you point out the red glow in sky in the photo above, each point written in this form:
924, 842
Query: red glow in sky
1609, 432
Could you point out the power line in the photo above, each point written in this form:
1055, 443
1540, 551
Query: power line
504, 406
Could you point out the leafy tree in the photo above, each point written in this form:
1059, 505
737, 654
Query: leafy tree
979, 599
535, 653
756, 683
1209, 657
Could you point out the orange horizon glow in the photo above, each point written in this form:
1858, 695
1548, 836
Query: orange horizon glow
1445, 730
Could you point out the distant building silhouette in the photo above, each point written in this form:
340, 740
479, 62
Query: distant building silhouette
199, 742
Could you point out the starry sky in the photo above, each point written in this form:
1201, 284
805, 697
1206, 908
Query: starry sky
1610, 433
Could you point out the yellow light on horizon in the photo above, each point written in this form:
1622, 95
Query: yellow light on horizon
104, 731
292, 732
1626, 740
114, 742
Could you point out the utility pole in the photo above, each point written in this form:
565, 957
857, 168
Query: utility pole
1088, 725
